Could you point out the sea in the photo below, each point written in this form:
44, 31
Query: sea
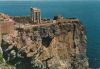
87, 11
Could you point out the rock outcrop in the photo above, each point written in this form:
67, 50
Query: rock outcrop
59, 46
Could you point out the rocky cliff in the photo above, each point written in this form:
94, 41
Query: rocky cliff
58, 46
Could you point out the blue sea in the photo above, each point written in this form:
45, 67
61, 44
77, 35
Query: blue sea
87, 11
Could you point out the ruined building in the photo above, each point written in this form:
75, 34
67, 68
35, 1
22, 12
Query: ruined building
36, 15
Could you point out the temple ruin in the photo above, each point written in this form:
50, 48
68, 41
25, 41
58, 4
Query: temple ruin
36, 15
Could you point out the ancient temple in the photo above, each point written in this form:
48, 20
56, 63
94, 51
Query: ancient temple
36, 15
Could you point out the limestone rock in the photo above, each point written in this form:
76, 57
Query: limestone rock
59, 46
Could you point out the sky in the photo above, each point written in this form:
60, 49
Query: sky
49, 0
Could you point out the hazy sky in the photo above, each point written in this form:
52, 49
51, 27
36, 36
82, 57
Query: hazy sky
49, 0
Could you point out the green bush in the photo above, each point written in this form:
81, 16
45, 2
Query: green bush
7, 66
1, 59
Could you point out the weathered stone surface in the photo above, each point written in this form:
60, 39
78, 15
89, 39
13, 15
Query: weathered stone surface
60, 46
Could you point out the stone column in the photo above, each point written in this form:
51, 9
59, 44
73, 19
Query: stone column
34, 16
39, 17
31, 14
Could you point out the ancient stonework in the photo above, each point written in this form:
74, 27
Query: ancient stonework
58, 46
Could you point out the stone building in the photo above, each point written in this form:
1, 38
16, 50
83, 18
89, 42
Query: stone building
36, 15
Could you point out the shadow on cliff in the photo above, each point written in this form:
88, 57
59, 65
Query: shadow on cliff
46, 41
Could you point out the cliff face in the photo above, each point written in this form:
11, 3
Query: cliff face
59, 46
